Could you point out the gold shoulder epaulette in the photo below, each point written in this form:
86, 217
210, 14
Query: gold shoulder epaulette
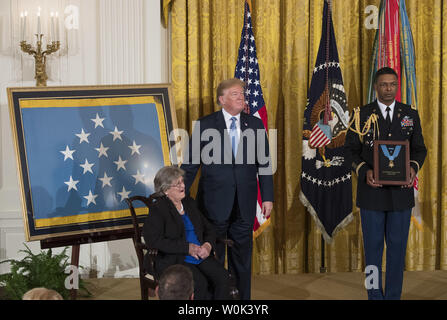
373, 120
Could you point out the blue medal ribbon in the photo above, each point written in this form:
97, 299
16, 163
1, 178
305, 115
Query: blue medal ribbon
387, 154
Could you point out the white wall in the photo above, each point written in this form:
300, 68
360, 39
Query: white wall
117, 42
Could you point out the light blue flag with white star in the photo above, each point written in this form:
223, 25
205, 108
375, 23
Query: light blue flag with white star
85, 157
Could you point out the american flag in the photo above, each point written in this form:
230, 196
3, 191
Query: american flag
320, 136
247, 70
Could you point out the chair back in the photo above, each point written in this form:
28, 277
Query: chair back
148, 282
136, 227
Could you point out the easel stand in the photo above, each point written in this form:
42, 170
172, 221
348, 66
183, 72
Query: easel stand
77, 240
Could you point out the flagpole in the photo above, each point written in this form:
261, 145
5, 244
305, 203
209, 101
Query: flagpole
328, 111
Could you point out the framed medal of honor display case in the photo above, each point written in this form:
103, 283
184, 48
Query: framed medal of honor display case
392, 162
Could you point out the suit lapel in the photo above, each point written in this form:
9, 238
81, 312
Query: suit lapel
220, 121
221, 126
175, 215
190, 212
245, 124
244, 121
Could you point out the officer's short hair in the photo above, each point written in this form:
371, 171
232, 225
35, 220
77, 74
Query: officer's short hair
382, 71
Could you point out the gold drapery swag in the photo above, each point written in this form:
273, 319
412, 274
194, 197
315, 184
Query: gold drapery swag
205, 41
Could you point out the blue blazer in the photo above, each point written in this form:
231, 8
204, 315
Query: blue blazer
227, 176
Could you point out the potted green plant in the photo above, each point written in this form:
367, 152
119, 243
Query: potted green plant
38, 270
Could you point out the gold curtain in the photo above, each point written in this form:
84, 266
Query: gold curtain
205, 40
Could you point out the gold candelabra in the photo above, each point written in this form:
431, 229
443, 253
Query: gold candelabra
40, 57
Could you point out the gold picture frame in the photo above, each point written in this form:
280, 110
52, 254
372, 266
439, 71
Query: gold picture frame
77, 147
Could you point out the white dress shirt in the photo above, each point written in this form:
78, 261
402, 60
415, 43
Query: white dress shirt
383, 109
228, 121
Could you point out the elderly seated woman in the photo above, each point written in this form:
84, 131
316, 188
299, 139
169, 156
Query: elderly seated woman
183, 235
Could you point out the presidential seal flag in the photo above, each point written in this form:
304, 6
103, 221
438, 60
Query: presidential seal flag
247, 70
326, 188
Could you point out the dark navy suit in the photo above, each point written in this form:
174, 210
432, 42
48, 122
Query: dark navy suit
227, 192
386, 211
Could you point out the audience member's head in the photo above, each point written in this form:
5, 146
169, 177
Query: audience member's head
42, 294
176, 283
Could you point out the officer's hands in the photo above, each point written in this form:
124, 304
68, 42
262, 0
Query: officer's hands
371, 182
370, 179
412, 177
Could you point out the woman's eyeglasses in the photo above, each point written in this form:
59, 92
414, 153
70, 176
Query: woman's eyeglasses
179, 184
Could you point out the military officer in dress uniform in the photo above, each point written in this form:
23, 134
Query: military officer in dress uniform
385, 210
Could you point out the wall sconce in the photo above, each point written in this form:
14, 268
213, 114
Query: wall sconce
40, 55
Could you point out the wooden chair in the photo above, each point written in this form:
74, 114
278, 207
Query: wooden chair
148, 281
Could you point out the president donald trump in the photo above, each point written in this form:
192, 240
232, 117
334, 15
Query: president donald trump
231, 147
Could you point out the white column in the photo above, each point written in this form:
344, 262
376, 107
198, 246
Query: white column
157, 45
121, 42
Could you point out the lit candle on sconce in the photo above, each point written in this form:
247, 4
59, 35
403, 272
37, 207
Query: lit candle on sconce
57, 35
38, 22
23, 16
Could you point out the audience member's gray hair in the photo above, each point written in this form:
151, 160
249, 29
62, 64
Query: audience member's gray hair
165, 177
176, 283
42, 294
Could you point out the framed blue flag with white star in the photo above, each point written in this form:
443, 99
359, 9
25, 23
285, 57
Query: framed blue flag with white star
81, 151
